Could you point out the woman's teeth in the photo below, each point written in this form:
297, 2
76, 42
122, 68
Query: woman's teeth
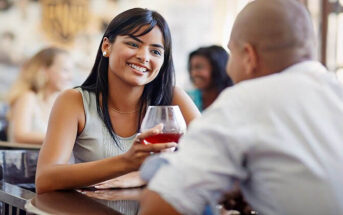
141, 69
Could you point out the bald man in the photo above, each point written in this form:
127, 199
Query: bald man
278, 131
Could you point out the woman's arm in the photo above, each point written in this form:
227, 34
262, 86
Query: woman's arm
21, 120
187, 106
67, 119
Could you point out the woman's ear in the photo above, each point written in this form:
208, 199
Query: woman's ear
250, 60
105, 47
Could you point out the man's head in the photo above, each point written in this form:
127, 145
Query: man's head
267, 37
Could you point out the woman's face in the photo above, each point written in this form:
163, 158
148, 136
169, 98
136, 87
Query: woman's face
59, 74
200, 70
135, 60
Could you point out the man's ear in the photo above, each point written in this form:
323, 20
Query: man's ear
250, 60
106, 46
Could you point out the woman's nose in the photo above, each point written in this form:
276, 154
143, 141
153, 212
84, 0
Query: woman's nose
195, 71
142, 55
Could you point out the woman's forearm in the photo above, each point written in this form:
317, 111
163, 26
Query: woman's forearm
67, 176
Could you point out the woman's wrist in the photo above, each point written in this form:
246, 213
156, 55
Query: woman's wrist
129, 164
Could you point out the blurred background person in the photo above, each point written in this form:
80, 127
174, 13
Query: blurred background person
207, 69
32, 95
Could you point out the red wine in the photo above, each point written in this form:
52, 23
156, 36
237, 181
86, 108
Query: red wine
164, 138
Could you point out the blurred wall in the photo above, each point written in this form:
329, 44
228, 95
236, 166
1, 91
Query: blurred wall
193, 23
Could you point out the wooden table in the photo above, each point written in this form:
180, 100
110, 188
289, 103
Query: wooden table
17, 200
18, 171
111, 201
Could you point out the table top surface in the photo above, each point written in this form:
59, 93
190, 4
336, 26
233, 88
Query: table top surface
86, 201
20, 160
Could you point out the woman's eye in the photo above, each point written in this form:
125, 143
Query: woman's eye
132, 44
198, 66
156, 52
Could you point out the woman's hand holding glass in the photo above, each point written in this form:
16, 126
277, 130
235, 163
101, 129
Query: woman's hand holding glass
161, 129
174, 125
138, 152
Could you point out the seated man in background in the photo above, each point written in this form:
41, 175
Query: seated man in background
278, 131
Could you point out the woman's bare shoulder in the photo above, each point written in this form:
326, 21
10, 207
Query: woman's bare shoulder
69, 106
70, 96
27, 99
71, 93
188, 108
28, 96
69, 100
180, 96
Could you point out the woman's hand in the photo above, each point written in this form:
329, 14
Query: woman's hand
131, 179
114, 194
139, 151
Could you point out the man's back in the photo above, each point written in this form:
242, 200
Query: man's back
279, 135
278, 131
295, 162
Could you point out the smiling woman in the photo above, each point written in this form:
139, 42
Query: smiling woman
99, 121
207, 70
135, 60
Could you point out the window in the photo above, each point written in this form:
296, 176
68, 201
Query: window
331, 35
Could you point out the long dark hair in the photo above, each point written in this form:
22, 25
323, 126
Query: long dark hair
157, 92
218, 58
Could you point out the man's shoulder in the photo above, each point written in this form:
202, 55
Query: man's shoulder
253, 87
263, 91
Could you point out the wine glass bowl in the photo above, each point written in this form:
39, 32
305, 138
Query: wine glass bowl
173, 123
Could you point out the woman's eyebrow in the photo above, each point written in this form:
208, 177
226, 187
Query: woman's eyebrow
140, 41
135, 38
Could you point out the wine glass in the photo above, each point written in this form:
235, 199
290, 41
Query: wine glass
174, 126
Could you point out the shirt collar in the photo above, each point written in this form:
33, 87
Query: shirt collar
308, 65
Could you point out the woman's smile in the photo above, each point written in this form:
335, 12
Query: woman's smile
138, 69
136, 60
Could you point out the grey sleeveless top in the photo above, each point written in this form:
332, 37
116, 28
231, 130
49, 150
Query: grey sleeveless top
95, 142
